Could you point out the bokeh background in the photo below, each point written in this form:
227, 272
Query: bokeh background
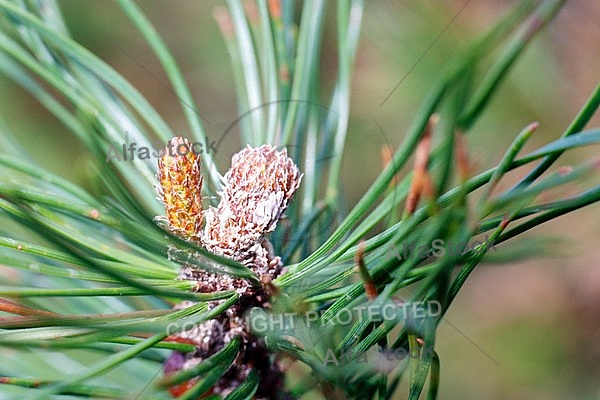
518, 330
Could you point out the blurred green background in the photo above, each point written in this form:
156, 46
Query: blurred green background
526, 330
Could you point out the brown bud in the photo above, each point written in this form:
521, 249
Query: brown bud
258, 188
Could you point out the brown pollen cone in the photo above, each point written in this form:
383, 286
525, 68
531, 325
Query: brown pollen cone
180, 188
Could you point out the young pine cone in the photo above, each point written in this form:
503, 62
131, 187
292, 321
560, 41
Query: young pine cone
258, 188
